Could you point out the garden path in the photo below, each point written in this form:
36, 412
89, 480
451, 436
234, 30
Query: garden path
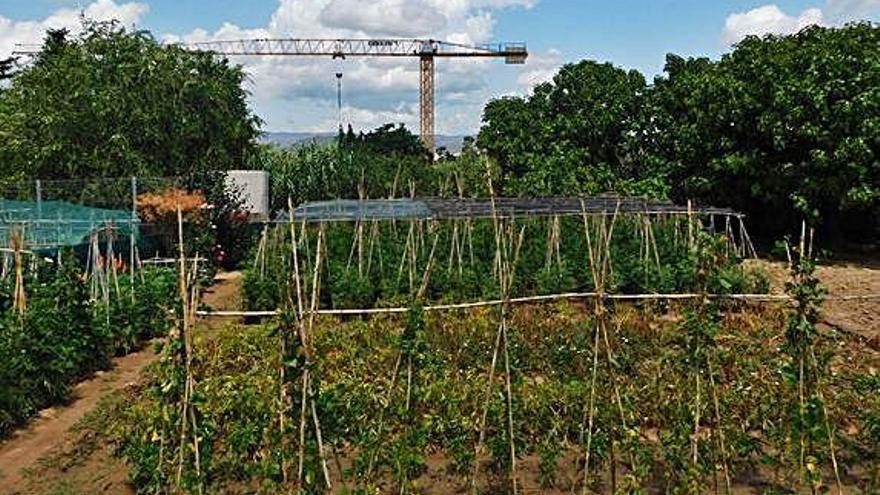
52, 455
48, 431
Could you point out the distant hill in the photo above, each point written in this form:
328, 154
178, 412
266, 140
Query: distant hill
451, 143
294, 138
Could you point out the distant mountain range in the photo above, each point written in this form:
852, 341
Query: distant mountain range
451, 143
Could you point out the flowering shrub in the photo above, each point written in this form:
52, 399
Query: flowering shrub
159, 212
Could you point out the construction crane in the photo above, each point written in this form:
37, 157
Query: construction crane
425, 50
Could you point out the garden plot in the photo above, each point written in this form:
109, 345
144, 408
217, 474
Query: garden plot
392, 367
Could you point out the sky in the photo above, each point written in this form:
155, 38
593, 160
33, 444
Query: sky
297, 94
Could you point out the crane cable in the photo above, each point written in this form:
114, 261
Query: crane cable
339, 91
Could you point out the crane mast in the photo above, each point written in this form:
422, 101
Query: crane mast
426, 50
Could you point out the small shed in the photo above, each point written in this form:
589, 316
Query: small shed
253, 185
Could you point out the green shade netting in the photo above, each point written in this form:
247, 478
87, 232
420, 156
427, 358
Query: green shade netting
54, 224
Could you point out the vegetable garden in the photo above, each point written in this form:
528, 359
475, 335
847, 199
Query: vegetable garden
476, 345
62, 319
616, 350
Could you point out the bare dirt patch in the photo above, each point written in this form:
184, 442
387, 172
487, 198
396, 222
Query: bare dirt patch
49, 430
849, 278
225, 293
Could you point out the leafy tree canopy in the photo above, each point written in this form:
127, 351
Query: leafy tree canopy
388, 138
571, 136
782, 124
111, 102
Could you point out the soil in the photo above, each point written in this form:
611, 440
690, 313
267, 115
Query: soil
850, 278
225, 294
49, 433
61, 453
58, 452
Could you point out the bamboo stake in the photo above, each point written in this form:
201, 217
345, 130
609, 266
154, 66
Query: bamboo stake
374, 236
295, 303
483, 419
5, 270
829, 431
406, 248
721, 435
690, 225
503, 268
20, 299
801, 399
308, 352
186, 413
591, 411
193, 302
394, 373
601, 269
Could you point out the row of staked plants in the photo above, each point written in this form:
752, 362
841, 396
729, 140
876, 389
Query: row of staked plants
687, 397
371, 264
64, 334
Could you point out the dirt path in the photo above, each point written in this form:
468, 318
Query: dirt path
50, 455
225, 294
860, 316
21, 451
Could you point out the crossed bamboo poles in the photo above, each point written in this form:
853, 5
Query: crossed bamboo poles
598, 232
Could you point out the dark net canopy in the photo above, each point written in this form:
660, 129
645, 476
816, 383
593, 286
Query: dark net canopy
342, 210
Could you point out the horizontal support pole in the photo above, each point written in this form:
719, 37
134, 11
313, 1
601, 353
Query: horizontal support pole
543, 298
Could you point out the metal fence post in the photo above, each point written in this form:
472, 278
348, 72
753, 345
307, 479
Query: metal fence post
39, 199
131, 226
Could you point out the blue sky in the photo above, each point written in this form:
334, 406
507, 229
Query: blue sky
296, 94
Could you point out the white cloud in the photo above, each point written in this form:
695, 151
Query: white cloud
540, 68
300, 93
412, 18
366, 118
768, 19
854, 9
32, 32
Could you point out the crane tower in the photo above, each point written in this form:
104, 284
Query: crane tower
426, 50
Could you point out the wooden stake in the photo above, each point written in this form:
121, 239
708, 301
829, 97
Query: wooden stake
19, 300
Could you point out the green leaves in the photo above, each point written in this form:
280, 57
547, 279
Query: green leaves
116, 103
782, 124
64, 337
571, 136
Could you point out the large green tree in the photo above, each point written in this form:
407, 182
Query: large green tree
571, 136
111, 102
783, 128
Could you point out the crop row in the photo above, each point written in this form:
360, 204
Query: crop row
421, 429
62, 334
